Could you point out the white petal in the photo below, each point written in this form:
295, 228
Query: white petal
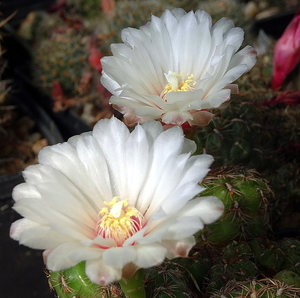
69, 254
25, 190
245, 56
19, 226
100, 242
64, 216
118, 257
177, 118
111, 136
152, 129
216, 99
150, 255
36, 236
101, 274
95, 167
64, 158
137, 160
208, 209
179, 248
155, 188
183, 227
177, 199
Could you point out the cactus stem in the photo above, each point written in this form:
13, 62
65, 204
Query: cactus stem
134, 286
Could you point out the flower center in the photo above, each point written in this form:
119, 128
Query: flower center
178, 82
118, 220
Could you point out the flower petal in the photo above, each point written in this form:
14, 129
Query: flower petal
179, 248
150, 255
208, 209
69, 254
118, 257
101, 274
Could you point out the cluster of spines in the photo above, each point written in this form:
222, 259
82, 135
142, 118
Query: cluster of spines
261, 288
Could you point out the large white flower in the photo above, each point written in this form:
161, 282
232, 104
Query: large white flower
176, 67
115, 199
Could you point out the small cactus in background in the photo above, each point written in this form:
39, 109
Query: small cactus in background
262, 288
291, 249
84, 8
234, 262
169, 280
237, 135
126, 14
288, 277
61, 58
228, 8
19, 143
268, 254
245, 196
67, 67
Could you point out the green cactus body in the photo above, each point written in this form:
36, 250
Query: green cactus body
244, 195
268, 253
238, 135
61, 58
74, 283
196, 267
235, 248
179, 278
234, 263
263, 288
291, 248
288, 277
166, 284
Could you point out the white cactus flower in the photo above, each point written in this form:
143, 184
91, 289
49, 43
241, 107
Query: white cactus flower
118, 200
176, 68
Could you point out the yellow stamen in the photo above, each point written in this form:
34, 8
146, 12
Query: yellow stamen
178, 82
118, 220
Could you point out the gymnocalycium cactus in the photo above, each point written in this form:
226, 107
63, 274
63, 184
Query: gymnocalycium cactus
245, 197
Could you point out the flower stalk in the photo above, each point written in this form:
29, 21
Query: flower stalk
134, 286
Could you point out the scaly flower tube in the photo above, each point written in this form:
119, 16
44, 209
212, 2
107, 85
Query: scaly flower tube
176, 68
118, 200
286, 52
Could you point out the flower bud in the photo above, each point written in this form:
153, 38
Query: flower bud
286, 52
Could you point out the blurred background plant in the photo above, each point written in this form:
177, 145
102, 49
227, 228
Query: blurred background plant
19, 139
254, 249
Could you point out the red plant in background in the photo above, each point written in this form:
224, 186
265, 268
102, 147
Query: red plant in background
60, 7
288, 97
108, 6
94, 56
57, 6
61, 102
286, 52
75, 23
